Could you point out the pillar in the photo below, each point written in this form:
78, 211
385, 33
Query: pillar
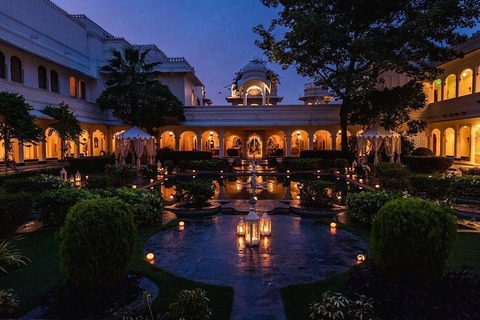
288, 140
18, 153
310, 140
333, 137
176, 136
472, 144
42, 152
456, 143
442, 143
221, 144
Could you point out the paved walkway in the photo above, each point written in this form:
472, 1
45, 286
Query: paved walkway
299, 251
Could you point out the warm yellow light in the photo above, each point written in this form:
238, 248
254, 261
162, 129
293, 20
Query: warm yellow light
151, 180
298, 132
333, 225
150, 256
181, 224
211, 133
134, 187
464, 74
360, 180
377, 186
361, 257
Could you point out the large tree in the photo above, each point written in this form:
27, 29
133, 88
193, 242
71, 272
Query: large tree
65, 124
346, 46
16, 123
133, 93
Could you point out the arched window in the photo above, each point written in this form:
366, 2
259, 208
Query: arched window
437, 90
73, 87
42, 77
81, 89
16, 69
450, 90
466, 82
54, 84
3, 69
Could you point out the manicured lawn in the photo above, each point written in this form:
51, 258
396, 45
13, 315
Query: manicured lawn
31, 282
297, 298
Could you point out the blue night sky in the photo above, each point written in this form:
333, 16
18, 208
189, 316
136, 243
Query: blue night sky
215, 36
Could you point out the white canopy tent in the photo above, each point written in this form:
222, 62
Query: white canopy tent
377, 139
137, 141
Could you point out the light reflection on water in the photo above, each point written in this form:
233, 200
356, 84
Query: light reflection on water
240, 187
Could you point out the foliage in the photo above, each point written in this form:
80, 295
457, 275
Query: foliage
9, 302
323, 154
10, 255
334, 305
426, 232
465, 187
169, 165
363, 206
65, 125
317, 193
422, 152
16, 122
203, 165
431, 187
455, 296
302, 164
233, 152
89, 164
428, 164
133, 93
176, 156
146, 206
407, 146
14, 209
474, 171
392, 175
191, 305
53, 205
149, 171
32, 184
96, 242
119, 175
347, 47
196, 192
96, 182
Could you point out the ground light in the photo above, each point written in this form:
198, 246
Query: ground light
252, 230
265, 224
241, 227
181, 226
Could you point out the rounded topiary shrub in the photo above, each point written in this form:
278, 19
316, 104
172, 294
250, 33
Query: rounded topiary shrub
14, 209
411, 238
423, 152
392, 175
96, 242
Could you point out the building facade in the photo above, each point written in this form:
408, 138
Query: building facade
48, 63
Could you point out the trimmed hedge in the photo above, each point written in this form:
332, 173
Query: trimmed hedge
53, 205
14, 209
96, 242
119, 175
317, 193
89, 164
304, 164
428, 164
195, 193
422, 152
465, 187
411, 239
363, 206
176, 156
323, 154
430, 187
204, 165
35, 183
26, 174
392, 175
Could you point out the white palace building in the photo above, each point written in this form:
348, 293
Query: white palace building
48, 56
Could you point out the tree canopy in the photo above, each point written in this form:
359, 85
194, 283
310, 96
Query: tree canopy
133, 93
65, 124
16, 122
346, 46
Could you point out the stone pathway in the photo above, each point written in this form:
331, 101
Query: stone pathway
299, 251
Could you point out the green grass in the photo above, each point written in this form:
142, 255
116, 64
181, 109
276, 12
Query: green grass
466, 252
33, 281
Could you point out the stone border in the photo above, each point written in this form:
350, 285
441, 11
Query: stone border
297, 209
183, 212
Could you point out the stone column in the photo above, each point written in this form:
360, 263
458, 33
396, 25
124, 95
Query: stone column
442, 143
310, 139
176, 136
288, 144
18, 155
221, 144
333, 137
42, 152
456, 147
472, 145
199, 140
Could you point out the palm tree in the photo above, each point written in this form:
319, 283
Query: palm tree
133, 93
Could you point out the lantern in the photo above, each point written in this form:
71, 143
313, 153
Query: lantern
134, 187
63, 174
377, 186
252, 230
150, 256
333, 225
361, 257
265, 224
181, 225
241, 227
78, 177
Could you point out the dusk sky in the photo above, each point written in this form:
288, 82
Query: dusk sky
215, 36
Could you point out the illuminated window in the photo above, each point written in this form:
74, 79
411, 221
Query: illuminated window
54, 84
466, 82
81, 87
3, 69
450, 88
73, 87
42, 77
16, 69
437, 90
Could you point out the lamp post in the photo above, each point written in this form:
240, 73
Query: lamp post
252, 230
